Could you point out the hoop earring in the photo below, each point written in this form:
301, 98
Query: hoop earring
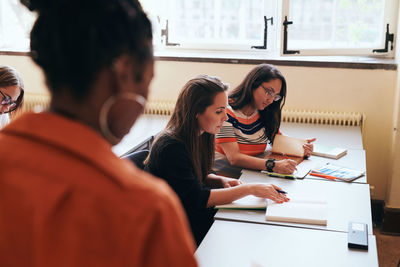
105, 109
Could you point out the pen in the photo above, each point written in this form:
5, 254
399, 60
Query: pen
323, 176
281, 191
279, 175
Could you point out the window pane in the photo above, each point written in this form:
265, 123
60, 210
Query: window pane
336, 24
15, 25
237, 22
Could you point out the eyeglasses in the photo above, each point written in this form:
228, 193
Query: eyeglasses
270, 93
7, 101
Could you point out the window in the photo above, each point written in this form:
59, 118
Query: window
209, 24
15, 25
337, 26
314, 27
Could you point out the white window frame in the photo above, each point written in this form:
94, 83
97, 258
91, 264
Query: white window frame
390, 17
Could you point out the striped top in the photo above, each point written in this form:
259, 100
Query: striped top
247, 131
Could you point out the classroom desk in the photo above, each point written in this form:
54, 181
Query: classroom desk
246, 244
348, 137
346, 202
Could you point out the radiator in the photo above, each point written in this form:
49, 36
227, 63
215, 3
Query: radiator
39, 102
288, 115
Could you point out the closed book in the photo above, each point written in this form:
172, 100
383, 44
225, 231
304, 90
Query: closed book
328, 151
247, 202
298, 210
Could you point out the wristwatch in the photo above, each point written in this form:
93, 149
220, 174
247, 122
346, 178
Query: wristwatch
270, 164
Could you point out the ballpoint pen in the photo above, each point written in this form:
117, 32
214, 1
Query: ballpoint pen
281, 191
279, 175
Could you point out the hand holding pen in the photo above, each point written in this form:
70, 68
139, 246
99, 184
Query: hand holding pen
269, 191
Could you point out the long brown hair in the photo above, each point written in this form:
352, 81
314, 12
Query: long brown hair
242, 95
196, 95
10, 77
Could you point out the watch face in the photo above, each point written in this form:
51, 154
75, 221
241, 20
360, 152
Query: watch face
270, 164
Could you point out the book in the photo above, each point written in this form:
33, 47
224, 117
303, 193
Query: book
338, 172
328, 151
298, 210
286, 145
248, 202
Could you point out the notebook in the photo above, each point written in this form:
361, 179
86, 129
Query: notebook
286, 145
328, 151
298, 210
339, 172
247, 202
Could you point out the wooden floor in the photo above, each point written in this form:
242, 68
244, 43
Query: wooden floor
388, 249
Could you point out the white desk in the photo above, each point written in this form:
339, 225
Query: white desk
246, 244
145, 126
346, 202
348, 137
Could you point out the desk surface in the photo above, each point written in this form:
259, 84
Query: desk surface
348, 137
346, 202
244, 244
145, 126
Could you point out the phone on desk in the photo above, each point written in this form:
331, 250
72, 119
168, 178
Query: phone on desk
357, 236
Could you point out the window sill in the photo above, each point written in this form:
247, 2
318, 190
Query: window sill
349, 62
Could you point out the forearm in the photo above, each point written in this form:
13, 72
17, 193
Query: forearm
213, 181
227, 195
246, 161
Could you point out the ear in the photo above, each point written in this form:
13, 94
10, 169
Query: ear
123, 70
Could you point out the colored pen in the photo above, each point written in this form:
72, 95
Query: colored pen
279, 175
323, 176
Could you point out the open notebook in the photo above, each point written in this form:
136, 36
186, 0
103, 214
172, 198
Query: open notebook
298, 210
286, 145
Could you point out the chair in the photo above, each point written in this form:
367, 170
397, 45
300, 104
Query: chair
138, 157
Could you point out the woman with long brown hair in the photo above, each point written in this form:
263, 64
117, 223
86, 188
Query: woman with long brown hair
183, 155
254, 117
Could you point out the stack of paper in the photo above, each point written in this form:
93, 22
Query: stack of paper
298, 210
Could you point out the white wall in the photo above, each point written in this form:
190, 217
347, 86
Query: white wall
369, 91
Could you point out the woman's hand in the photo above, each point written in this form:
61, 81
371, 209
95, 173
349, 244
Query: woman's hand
229, 182
285, 166
308, 148
268, 191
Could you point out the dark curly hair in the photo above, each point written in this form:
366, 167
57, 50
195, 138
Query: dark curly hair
72, 40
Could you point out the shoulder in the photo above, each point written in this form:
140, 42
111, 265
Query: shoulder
168, 144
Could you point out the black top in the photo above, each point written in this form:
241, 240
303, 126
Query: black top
170, 160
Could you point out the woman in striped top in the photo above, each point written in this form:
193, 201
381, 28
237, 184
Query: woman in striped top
254, 116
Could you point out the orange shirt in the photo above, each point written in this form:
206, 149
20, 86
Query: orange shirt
67, 200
